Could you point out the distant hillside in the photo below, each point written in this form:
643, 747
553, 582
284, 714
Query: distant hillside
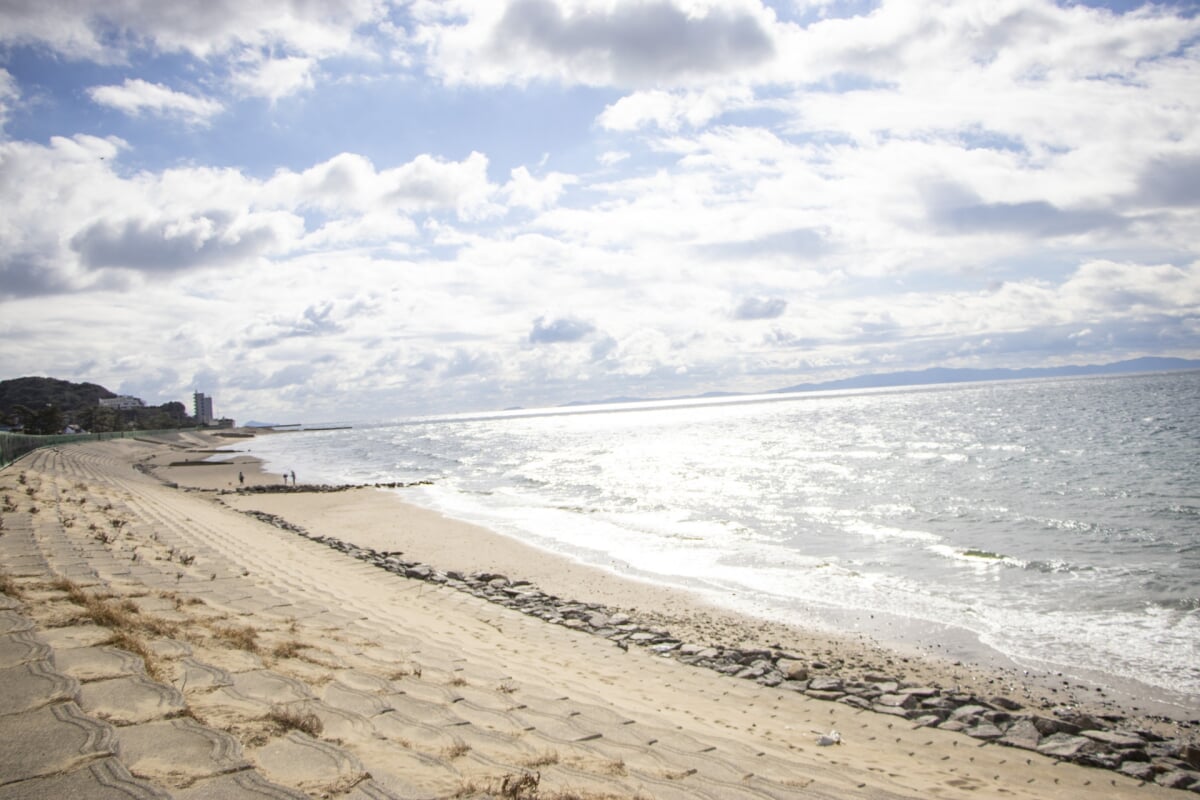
42, 392
946, 375
935, 375
46, 405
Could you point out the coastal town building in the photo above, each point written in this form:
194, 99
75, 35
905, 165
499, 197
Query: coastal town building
202, 408
121, 402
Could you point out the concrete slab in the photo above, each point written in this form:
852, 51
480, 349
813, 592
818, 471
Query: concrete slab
193, 675
169, 648
248, 785
366, 682
21, 648
74, 636
100, 780
426, 738
50, 740
27, 566
269, 687
32, 685
367, 704
177, 751
230, 660
98, 663
308, 764
12, 621
336, 723
130, 699
392, 771
371, 790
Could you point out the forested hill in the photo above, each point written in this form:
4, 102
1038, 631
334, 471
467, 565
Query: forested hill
47, 405
41, 392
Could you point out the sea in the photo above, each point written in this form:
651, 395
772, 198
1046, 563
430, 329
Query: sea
1052, 522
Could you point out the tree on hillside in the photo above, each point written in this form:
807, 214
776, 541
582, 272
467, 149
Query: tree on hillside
99, 419
40, 422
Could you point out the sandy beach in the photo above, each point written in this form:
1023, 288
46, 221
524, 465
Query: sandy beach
313, 673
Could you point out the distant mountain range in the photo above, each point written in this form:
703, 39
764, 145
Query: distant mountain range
947, 375
938, 375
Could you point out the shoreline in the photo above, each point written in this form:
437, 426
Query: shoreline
380, 519
414, 682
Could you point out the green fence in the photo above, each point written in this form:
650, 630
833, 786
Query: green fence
15, 445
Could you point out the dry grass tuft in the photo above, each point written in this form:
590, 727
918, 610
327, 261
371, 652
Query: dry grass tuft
9, 586
543, 759
285, 719
458, 680
288, 649
243, 637
508, 787
405, 671
112, 614
129, 642
457, 750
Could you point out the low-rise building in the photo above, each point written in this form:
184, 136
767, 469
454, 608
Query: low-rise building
121, 402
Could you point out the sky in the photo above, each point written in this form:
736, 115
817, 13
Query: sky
372, 209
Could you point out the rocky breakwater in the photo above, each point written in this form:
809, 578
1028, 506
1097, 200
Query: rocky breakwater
1063, 732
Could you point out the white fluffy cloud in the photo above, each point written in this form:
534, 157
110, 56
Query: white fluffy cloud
274, 78
670, 110
109, 227
107, 32
136, 96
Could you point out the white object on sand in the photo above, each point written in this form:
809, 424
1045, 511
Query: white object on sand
831, 738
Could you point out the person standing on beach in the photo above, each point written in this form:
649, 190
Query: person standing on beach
293, 477
241, 479
285, 479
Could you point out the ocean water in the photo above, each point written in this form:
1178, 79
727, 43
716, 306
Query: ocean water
1056, 522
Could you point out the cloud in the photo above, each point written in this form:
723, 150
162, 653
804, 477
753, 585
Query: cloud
957, 210
760, 308
109, 32
1034, 218
526, 191
428, 183
670, 111
9, 95
897, 181
315, 320
649, 43
110, 226
274, 78
26, 274
563, 329
1132, 290
798, 244
349, 183
135, 96
211, 238
1171, 181
288, 376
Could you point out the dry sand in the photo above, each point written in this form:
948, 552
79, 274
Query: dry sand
428, 692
